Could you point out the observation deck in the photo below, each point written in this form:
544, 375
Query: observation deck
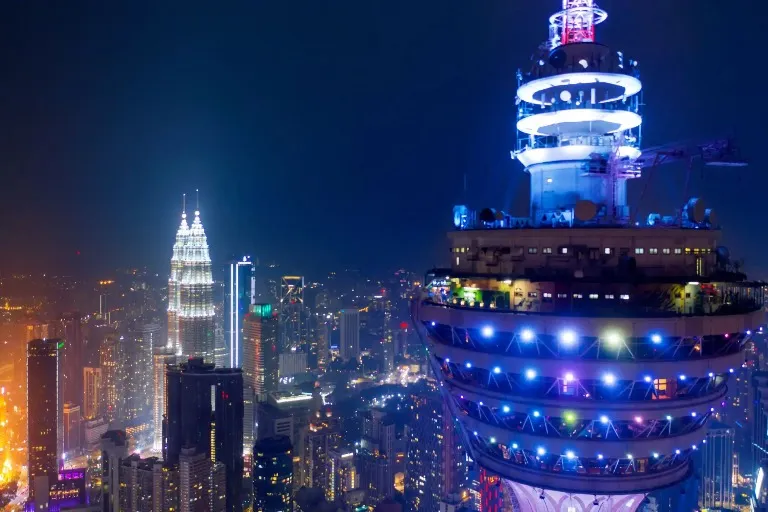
581, 349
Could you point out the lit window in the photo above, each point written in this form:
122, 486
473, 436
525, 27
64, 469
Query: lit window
563, 250
653, 250
609, 296
678, 250
593, 296
533, 295
547, 250
457, 260
624, 296
660, 385
549, 180
639, 250
665, 250
577, 296
687, 250
608, 250
562, 295
533, 250
547, 295
696, 251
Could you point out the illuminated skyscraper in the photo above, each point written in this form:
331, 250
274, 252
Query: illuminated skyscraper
293, 316
135, 371
260, 364
44, 412
716, 489
92, 393
108, 359
174, 283
196, 311
581, 348
241, 294
162, 358
349, 341
191, 314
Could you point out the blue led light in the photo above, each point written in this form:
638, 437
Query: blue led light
497, 370
656, 338
530, 374
567, 337
487, 331
647, 378
677, 452
541, 451
599, 456
468, 364
514, 446
433, 324
609, 379
570, 455
682, 377
505, 408
536, 414
527, 335
604, 419
655, 455
492, 440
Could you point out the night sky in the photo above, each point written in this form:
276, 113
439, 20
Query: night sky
329, 133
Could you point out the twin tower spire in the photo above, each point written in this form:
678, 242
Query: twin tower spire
190, 291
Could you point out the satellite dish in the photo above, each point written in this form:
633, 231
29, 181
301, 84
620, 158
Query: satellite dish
585, 210
558, 58
460, 216
488, 215
695, 209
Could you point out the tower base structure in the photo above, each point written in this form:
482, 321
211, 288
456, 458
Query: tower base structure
526, 498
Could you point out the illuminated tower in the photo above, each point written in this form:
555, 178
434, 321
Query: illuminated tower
192, 282
174, 289
242, 292
583, 352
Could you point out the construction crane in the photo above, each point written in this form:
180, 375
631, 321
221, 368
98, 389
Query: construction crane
715, 153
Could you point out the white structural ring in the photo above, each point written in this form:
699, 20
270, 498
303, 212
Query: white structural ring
531, 92
579, 121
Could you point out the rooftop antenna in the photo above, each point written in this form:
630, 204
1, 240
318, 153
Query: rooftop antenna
184, 206
197, 200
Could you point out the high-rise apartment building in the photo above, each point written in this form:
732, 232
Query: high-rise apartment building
342, 474
292, 314
204, 411
240, 296
273, 475
44, 415
69, 329
191, 315
436, 466
92, 393
324, 436
759, 418
135, 371
717, 460
71, 419
260, 364
377, 455
349, 341
108, 359
201, 483
148, 485
163, 357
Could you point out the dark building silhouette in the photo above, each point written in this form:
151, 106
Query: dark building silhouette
205, 412
43, 414
273, 475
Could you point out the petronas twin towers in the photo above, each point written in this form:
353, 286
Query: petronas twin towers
190, 293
